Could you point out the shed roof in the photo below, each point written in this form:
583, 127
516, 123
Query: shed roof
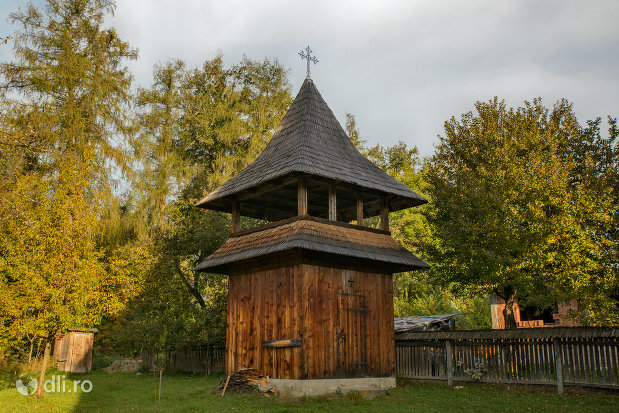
309, 141
313, 234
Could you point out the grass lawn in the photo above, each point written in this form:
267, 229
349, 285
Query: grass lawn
127, 392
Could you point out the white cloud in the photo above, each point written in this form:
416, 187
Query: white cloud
402, 67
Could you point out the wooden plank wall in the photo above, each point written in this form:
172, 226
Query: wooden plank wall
591, 362
343, 316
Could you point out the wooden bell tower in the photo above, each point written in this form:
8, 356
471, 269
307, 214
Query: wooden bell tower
310, 293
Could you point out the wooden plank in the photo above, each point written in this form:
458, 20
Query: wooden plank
302, 197
236, 216
293, 342
449, 351
359, 208
332, 203
558, 365
305, 321
384, 215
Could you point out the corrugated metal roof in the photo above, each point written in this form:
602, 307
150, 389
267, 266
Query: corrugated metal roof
423, 322
313, 234
311, 141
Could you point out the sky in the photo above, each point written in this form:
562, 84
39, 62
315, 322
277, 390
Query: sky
402, 68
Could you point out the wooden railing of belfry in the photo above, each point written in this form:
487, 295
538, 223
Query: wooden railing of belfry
560, 356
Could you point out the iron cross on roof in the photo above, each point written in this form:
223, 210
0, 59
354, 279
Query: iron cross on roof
307, 54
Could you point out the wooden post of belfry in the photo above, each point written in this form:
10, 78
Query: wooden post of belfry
449, 354
384, 215
359, 208
332, 203
302, 197
236, 216
558, 364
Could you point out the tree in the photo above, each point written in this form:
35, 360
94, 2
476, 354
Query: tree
63, 134
508, 214
163, 170
229, 116
197, 128
352, 130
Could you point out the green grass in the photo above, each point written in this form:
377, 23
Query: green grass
127, 392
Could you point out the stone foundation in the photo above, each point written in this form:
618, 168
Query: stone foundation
318, 387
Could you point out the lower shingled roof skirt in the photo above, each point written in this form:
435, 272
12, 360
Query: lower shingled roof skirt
313, 234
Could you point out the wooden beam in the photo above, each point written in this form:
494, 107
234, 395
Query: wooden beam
359, 208
293, 342
236, 216
332, 203
384, 215
302, 197
267, 189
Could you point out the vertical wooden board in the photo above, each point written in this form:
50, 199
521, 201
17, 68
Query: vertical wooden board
372, 329
592, 362
538, 367
603, 365
237, 324
608, 364
311, 320
615, 361
297, 323
571, 362
328, 311
288, 328
300, 325
598, 364
242, 340
305, 321
585, 361
90, 345
389, 322
319, 323
288, 321
550, 361
251, 310
228, 326
529, 359
259, 318
273, 359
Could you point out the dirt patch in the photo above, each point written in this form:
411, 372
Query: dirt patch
123, 366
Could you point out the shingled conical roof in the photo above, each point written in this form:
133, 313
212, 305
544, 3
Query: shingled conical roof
308, 142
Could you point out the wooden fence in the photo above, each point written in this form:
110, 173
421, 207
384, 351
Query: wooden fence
559, 356
201, 360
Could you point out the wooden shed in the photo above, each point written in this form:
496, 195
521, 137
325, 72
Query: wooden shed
310, 293
73, 350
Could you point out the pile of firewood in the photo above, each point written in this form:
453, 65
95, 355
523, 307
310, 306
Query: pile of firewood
247, 380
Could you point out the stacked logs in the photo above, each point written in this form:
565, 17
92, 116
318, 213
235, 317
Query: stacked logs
247, 380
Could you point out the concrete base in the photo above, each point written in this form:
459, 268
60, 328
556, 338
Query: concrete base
368, 386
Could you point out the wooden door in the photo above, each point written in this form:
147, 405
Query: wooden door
81, 355
351, 342
63, 352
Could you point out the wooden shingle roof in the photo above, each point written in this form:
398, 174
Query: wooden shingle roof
313, 234
309, 142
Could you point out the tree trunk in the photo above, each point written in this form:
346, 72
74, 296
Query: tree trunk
508, 311
48, 349
31, 349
